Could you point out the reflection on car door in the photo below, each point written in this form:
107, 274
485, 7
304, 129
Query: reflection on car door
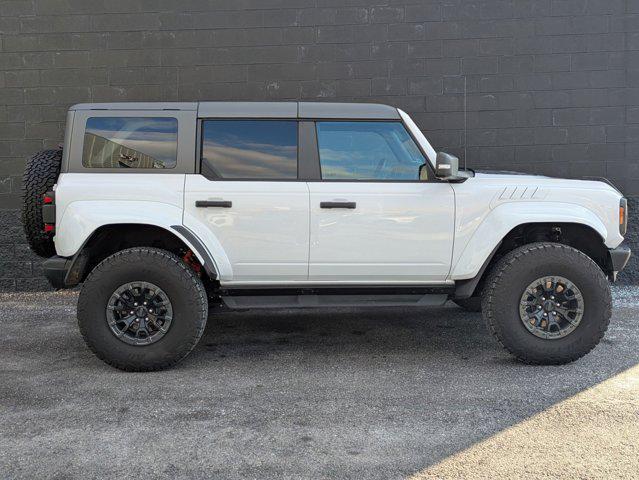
372, 220
247, 202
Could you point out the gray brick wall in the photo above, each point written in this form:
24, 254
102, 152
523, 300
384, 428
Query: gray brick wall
552, 85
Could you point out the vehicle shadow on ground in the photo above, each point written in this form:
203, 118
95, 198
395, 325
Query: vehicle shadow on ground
254, 333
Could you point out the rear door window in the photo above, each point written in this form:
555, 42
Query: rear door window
249, 149
130, 142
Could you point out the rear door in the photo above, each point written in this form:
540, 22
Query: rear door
247, 203
372, 219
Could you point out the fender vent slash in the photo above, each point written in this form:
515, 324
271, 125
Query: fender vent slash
515, 193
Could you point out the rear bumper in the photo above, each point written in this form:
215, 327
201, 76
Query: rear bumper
64, 272
618, 258
56, 269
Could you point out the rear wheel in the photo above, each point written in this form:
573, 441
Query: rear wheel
547, 303
40, 174
142, 309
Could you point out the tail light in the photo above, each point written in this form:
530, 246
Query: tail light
623, 216
48, 212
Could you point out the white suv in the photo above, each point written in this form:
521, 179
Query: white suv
166, 210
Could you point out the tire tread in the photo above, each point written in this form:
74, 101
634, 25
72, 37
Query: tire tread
493, 286
186, 276
40, 174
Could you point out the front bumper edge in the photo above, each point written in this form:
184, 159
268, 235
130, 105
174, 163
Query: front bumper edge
618, 258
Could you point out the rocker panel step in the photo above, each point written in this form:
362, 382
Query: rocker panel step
331, 300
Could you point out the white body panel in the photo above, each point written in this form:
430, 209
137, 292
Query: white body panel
491, 205
398, 232
264, 236
276, 232
87, 201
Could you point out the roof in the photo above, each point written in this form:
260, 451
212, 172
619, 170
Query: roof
136, 106
373, 111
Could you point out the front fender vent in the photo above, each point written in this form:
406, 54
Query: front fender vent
516, 193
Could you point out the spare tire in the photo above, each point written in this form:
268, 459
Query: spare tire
40, 174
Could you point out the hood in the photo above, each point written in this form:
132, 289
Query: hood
509, 173
506, 175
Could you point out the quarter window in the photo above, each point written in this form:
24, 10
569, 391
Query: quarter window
130, 142
367, 151
249, 149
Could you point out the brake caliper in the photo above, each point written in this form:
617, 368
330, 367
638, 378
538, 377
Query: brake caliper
191, 260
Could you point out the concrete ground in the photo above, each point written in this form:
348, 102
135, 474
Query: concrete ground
353, 393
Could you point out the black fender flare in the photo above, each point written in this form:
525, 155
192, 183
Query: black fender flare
198, 246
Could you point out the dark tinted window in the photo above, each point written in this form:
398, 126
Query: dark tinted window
367, 151
130, 142
249, 149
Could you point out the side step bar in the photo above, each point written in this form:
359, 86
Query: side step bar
361, 296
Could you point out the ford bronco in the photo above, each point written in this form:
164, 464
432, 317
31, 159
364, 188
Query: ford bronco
164, 211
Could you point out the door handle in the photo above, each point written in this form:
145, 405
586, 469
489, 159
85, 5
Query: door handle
338, 204
213, 203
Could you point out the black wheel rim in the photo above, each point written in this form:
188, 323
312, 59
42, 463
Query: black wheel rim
551, 307
139, 313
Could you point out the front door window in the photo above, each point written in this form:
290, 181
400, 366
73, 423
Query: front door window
367, 151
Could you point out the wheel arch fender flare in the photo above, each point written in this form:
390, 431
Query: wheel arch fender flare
488, 235
81, 221
198, 248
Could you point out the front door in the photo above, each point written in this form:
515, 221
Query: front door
372, 219
247, 205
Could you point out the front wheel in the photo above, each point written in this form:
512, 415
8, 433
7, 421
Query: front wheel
142, 309
547, 303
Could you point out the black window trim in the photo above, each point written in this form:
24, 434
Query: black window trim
309, 164
200, 143
198, 146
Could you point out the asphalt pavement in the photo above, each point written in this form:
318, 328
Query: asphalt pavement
349, 393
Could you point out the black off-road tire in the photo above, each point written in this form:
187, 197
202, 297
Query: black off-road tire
40, 174
163, 269
472, 304
506, 284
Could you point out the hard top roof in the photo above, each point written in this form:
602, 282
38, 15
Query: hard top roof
328, 110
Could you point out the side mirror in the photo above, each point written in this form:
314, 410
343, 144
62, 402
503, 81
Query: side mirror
446, 166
